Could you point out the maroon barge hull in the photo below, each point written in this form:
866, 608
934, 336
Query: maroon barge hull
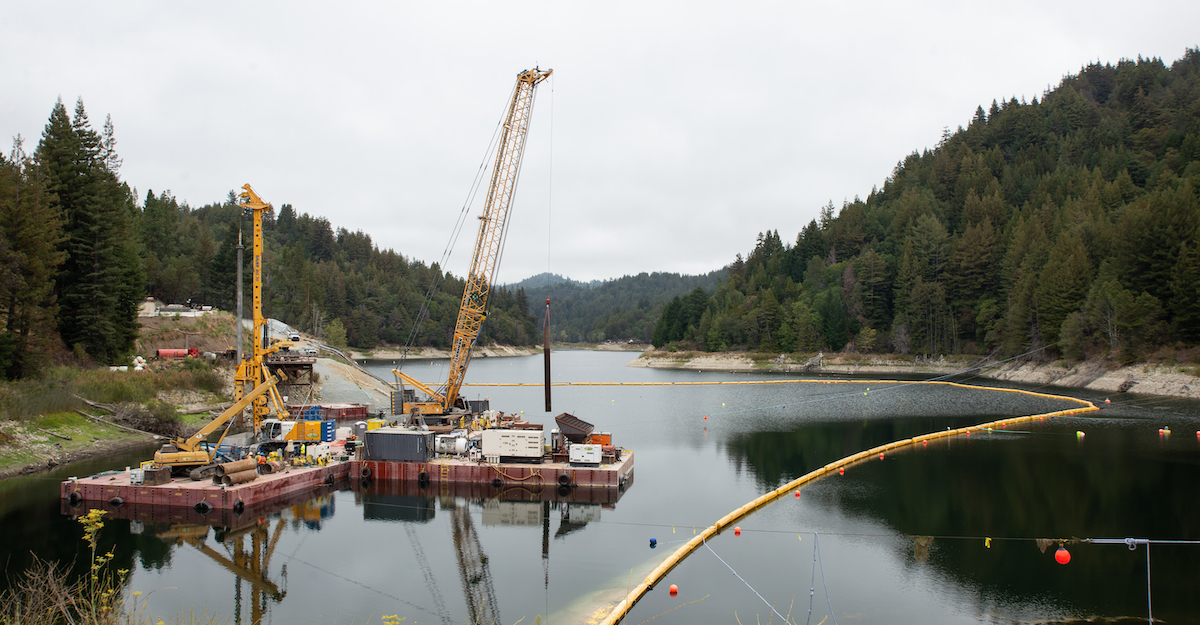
455, 470
184, 493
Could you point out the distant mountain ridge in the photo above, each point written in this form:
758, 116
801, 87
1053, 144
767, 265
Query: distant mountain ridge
546, 278
622, 308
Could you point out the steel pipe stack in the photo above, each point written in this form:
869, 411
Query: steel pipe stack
230, 468
229, 479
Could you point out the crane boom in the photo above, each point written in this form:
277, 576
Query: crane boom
492, 222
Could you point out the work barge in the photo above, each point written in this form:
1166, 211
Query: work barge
117, 488
492, 460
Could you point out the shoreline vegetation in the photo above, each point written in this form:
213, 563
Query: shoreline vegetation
1098, 375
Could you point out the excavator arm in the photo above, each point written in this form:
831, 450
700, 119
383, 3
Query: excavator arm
189, 448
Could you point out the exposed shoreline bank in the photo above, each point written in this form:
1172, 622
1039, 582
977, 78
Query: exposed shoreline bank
1150, 379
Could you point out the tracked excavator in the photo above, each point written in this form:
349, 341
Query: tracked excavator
196, 456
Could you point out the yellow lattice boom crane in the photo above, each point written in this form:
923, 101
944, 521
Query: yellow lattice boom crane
485, 260
253, 368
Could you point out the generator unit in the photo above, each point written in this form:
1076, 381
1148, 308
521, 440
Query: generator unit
513, 445
585, 455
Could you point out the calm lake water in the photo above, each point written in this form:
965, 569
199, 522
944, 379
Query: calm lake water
356, 552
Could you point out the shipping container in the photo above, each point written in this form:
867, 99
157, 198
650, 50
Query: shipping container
396, 445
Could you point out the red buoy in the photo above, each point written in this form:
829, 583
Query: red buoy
797, 494
674, 590
924, 443
737, 531
881, 455
841, 470
1062, 556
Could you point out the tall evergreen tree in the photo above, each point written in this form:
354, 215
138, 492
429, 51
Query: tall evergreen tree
30, 230
100, 281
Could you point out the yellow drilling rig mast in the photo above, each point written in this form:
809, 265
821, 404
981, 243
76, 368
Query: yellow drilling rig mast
252, 371
492, 226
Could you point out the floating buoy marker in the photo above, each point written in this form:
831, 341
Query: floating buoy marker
653, 543
881, 455
926, 443
1107, 400
737, 531
1079, 434
798, 492
1062, 556
841, 470
706, 417
674, 590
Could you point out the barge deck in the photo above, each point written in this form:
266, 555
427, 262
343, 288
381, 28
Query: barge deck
118, 489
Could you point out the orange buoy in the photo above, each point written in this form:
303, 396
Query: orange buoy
1107, 400
674, 590
841, 470
881, 455
798, 492
1062, 556
737, 531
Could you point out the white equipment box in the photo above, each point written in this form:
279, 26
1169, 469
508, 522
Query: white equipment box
585, 454
514, 443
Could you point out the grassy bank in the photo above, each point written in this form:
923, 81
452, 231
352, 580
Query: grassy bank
45, 422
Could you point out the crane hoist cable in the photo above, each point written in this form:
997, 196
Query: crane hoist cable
436, 278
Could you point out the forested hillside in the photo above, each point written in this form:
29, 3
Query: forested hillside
1069, 222
79, 250
333, 283
621, 309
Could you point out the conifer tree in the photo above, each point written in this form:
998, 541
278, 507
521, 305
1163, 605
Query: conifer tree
100, 282
30, 230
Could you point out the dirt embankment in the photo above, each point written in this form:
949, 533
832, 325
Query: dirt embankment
1153, 379
393, 352
214, 332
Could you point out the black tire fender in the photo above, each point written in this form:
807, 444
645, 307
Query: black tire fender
564, 479
365, 472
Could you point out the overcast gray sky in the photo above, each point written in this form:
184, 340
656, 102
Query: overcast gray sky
668, 137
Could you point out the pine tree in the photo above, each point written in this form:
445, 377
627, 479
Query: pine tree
100, 282
30, 230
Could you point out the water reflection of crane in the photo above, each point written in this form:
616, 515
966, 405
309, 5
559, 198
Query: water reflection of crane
249, 562
472, 565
